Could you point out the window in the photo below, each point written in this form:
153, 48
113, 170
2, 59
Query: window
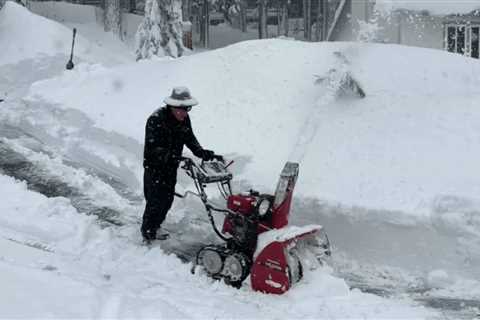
451, 36
463, 39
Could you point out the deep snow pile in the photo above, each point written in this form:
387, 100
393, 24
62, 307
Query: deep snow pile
24, 35
411, 142
66, 266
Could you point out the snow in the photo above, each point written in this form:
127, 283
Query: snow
25, 35
435, 7
393, 161
438, 279
80, 270
281, 235
391, 175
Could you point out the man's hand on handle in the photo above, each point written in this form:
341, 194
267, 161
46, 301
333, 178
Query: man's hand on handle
209, 155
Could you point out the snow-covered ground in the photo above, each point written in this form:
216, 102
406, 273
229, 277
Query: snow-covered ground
391, 176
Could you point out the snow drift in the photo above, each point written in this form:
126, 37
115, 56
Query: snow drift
25, 35
410, 142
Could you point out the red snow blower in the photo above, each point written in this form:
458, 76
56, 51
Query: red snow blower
257, 239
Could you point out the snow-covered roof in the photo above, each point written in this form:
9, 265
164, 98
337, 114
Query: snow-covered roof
435, 7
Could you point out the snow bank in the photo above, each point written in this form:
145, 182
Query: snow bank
79, 270
20, 207
411, 140
25, 35
438, 7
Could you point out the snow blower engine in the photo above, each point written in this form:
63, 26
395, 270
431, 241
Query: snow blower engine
257, 240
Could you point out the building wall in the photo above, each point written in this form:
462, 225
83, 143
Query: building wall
77, 13
412, 29
402, 27
63, 11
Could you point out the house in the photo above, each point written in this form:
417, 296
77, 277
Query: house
450, 26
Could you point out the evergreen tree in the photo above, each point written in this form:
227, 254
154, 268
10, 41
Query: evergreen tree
112, 17
160, 32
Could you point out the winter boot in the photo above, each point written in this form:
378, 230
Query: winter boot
162, 234
148, 235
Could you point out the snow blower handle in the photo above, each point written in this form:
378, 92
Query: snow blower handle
218, 158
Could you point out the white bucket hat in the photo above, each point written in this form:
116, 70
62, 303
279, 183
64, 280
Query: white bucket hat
180, 97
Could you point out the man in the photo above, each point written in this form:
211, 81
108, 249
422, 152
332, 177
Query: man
167, 130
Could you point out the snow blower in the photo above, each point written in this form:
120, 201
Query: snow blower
257, 240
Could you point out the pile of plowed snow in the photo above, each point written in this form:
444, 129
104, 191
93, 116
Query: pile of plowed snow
71, 268
408, 144
25, 35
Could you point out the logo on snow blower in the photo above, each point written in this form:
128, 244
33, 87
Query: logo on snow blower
273, 264
273, 284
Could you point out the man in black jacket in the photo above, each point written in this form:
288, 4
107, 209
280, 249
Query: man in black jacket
168, 129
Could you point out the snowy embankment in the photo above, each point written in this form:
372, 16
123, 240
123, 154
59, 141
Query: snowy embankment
25, 35
409, 144
65, 266
407, 151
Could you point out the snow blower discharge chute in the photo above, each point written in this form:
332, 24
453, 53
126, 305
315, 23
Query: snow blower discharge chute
257, 240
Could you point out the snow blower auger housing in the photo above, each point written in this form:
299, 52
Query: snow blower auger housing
257, 239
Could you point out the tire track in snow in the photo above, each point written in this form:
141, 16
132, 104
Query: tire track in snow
39, 178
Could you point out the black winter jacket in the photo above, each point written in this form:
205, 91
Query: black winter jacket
165, 137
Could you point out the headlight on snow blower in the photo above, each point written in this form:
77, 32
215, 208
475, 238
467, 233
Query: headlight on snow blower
263, 207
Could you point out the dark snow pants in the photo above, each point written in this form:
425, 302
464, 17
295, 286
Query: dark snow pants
159, 193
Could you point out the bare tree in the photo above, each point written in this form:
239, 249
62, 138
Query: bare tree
262, 19
205, 23
307, 19
325, 18
283, 22
318, 21
243, 15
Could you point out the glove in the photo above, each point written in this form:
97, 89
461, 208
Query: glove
208, 155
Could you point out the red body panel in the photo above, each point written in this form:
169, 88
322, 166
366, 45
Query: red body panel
240, 204
281, 213
269, 272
